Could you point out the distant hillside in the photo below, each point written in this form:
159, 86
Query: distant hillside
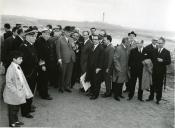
115, 30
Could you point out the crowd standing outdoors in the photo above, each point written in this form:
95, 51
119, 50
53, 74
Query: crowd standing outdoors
37, 58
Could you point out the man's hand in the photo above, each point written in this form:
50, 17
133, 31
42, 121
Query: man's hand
97, 70
107, 70
43, 68
60, 61
159, 59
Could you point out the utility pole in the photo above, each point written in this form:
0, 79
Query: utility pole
103, 17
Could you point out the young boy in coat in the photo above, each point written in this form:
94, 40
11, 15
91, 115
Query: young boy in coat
16, 90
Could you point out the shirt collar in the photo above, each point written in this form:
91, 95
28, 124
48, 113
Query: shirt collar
21, 38
86, 41
123, 45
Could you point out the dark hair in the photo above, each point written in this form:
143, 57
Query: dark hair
67, 28
18, 26
108, 37
59, 27
93, 28
7, 25
15, 55
124, 40
163, 39
14, 29
49, 26
132, 32
20, 30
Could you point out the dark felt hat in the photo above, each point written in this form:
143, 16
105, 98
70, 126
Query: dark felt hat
132, 32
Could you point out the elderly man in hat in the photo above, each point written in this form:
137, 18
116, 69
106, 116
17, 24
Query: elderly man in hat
29, 67
131, 44
42, 48
66, 58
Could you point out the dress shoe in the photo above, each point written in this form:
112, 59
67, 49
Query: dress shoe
116, 98
81, 90
149, 99
130, 98
93, 97
19, 123
106, 95
14, 125
121, 96
67, 90
33, 106
61, 90
28, 116
140, 99
47, 98
32, 110
157, 102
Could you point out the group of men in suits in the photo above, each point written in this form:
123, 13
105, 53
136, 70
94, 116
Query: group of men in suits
60, 56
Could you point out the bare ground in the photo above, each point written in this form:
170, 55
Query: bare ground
75, 110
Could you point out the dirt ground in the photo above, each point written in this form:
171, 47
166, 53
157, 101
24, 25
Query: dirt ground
75, 110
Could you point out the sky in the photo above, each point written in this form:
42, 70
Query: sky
143, 14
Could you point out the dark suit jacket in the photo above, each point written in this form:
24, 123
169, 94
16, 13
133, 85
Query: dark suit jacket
64, 50
159, 68
151, 51
7, 34
95, 60
42, 48
30, 59
52, 49
85, 50
135, 60
7, 49
17, 42
108, 56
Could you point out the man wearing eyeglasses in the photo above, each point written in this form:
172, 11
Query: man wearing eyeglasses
161, 60
29, 67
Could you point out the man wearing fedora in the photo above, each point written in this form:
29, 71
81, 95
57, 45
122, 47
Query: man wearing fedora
42, 48
66, 58
29, 67
131, 44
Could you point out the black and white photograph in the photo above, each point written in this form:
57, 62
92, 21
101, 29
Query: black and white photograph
87, 63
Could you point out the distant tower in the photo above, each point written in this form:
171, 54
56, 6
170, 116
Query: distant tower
103, 17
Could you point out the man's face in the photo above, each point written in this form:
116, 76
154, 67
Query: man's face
139, 44
105, 40
154, 41
75, 36
85, 35
46, 35
93, 31
31, 38
161, 43
57, 33
66, 33
131, 37
95, 40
